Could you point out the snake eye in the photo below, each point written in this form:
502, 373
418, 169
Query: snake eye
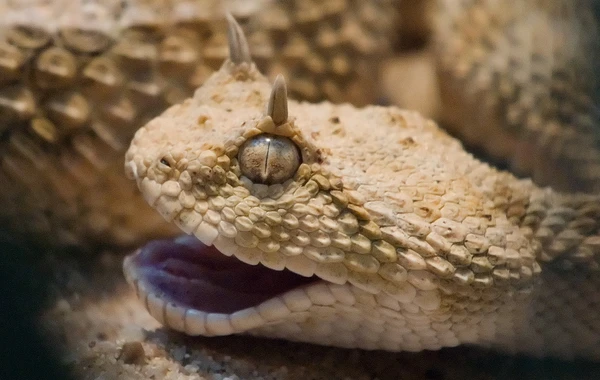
269, 159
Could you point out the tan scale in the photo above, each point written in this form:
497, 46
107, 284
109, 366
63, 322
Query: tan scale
520, 81
515, 269
145, 55
77, 78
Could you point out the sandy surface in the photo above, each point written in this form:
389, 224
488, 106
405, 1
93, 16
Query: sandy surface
103, 332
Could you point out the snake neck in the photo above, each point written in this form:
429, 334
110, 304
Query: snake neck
564, 227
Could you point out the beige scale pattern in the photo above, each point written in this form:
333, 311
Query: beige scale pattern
74, 88
517, 269
417, 244
520, 80
77, 78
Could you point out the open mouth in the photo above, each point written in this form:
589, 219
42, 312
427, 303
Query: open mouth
196, 289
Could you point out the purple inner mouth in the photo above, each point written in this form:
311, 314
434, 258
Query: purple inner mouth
193, 275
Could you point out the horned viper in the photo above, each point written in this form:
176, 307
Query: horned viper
354, 227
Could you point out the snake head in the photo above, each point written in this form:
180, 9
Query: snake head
312, 222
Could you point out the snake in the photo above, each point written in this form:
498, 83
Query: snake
355, 227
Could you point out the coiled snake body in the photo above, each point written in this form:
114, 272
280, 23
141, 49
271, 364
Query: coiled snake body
369, 227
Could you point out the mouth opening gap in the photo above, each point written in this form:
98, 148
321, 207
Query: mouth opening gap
195, 276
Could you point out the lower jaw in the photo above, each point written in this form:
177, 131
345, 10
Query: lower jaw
291, 307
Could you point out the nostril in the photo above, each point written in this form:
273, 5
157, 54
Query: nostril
165, 162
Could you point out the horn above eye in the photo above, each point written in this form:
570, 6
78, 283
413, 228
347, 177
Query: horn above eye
277, 107
269, 159
238, 46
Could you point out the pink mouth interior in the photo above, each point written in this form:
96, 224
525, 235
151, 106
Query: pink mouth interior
193, 275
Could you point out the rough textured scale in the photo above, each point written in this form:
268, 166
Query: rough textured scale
520, 80
77, 78
412, 243
520, 274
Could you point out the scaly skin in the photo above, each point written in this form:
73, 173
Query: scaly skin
520, 80
77, 78
411, 243
76, 82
